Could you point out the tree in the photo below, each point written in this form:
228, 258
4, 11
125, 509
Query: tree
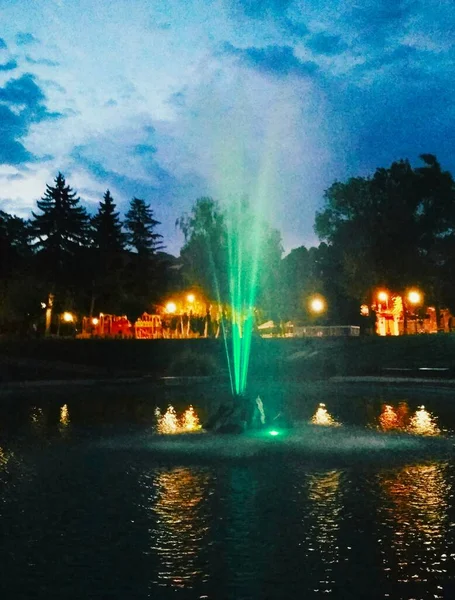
140, 227
61, 234
204, 252
108, 256
107, 234
390, 229
61, 229
145, 278
227, 246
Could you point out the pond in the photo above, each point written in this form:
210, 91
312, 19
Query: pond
356, 502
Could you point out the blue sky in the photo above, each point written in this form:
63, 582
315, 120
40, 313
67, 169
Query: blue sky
173, 100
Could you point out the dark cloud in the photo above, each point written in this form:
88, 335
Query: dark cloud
9, 66
144, 149
178, 99
42, 61
257, 9
375, 22
273, 60
12, 128
324, 43
25, 39
21, 104
3, 45
24, 90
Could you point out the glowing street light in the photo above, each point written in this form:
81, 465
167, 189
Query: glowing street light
171, 307
95, 321
190, 298
415, 297
383, 296
68, 317
317, 304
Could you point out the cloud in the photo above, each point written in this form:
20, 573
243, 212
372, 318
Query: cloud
9, 66
25, 39
278, 61
42, 61
324, 43
21, 104
3, 45
144, 149
258, 9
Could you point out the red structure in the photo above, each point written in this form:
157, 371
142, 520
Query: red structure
107, 326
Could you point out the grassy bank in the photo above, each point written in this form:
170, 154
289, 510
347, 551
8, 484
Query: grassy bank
313, 358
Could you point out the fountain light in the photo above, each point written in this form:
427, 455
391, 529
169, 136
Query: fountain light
274, 432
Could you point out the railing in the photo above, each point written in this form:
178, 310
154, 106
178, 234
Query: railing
327, 331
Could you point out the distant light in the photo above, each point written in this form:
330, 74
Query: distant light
414, 297
364, 310
171, 307
190, 298
95, 321
383, 296
68, 317
43, 305
317, 305
274, 432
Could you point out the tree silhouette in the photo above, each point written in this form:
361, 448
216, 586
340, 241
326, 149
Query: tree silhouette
140, 228
108, 247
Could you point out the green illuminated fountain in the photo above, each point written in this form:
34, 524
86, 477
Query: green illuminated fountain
244, 244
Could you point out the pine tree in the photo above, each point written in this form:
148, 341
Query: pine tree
107, 267
62, 228
143, 271
60, 235
107, 228
140, 226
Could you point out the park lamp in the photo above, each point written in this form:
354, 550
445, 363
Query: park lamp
317, 305
414, 297
170, 308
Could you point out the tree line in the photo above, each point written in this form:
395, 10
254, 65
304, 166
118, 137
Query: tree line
81, 263
394, 229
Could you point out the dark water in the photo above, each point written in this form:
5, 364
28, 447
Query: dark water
89, 510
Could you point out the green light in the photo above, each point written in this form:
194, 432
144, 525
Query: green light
273, 432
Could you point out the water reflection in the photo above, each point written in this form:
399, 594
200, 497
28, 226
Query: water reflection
323, 417
170, 423
415, 514
325, 508
421, 422
37, 420
179, 524
64, 420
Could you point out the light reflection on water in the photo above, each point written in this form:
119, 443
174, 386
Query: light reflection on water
289, 528
415, 514
323, 417
325, 506
399, 418
178, 523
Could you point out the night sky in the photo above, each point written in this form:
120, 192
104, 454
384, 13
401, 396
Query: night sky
173, 100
